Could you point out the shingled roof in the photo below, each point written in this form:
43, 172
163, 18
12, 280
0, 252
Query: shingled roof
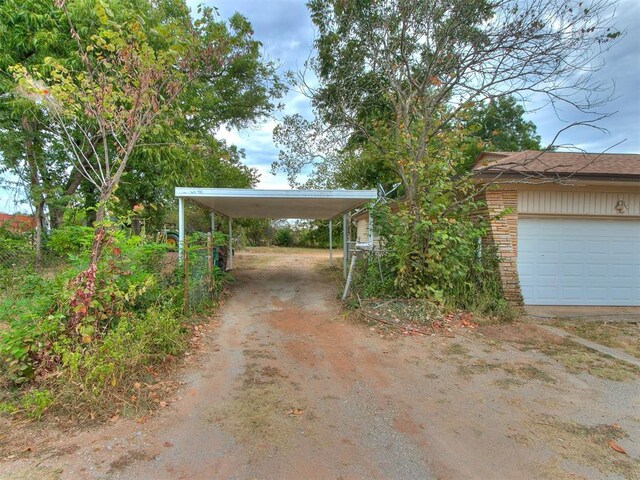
531, 162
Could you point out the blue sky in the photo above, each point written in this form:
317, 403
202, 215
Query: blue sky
286, 31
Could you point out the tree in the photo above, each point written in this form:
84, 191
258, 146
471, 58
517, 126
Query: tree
36, 35
398, 76
411, 67
499, 125
129, 85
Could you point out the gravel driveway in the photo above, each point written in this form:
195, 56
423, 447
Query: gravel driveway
287, 386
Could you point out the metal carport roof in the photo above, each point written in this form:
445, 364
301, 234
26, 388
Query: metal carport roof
251, 203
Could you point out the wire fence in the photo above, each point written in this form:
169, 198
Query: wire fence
200, 270
203, 273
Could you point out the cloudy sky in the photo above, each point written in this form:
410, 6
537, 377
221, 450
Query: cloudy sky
286, 31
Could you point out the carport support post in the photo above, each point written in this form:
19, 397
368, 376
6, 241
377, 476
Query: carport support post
330, 244
230, 252
213, 221
180, 228
345, 245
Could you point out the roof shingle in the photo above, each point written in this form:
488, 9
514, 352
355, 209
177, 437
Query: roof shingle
559, 163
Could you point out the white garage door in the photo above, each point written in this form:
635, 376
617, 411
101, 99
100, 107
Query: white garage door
579, 262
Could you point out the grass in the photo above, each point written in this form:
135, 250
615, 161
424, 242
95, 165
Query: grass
456, 349
529, 372
574, 357
257, 414
619, 335
578, 359
585, 445
508, 382
479, 366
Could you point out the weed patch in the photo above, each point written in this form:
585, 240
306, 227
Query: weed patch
575, 358
91, 354
584, 445
456, 349
619, 335
529, 372
259, 410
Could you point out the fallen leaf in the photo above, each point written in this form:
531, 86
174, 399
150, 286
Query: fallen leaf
616, 447
162, 404
294, 412
167, 444
114, 418
137, 385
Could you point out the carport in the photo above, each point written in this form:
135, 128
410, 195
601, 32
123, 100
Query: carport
274, 204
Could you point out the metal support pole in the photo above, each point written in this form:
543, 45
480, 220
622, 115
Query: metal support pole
371, 226
210, 263
213, 221
230, 253
330, 244
348, 283
345, 246
185, 281
180, 228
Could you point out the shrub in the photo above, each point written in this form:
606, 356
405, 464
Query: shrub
70, 240
15, 249
60, 351
283, 237
35, 402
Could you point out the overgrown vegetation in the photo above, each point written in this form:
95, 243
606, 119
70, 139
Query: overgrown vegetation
408, 92
57, 352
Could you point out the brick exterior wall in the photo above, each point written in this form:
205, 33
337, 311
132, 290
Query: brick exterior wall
504, 235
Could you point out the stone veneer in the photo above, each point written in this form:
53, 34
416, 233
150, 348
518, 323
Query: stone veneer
504, 235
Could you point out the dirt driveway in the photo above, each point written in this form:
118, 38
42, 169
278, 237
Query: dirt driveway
288, 387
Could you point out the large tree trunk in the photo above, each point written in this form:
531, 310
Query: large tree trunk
35, 187
57, 212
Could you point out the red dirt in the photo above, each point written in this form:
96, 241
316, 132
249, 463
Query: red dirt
288, 387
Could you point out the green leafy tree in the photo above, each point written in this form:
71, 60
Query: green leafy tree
238, 92
397, 77
499, 125
131, 82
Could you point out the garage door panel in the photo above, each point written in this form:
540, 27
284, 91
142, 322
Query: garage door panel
563, 261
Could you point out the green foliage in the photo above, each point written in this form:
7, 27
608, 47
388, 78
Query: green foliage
15, 248
481, 292
237, 87
35, 402
498, 125
59, 349
315, 234
132, 344
70, 240
283, 237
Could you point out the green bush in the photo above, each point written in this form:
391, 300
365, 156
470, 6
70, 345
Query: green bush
283, 237
70, 240
15, 249
35, 402
59, 350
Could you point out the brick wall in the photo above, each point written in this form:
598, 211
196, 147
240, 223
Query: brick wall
17, 223
504, 235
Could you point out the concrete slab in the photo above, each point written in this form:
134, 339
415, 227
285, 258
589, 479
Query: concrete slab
601, 314
611, 352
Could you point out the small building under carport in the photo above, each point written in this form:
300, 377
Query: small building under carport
275, 204
566, 226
